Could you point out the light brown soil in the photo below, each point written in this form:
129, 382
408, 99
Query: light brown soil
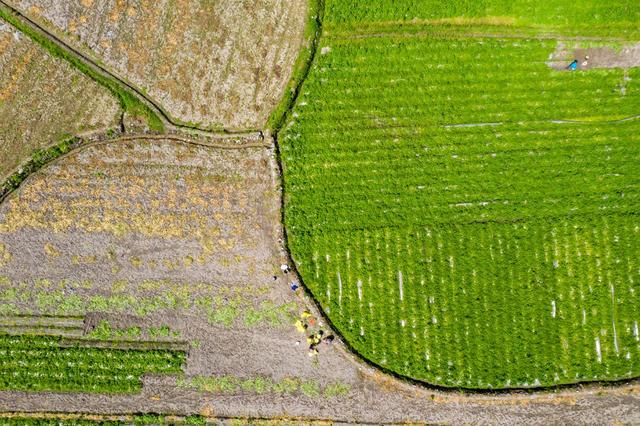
214, 64
121, 219
627, 56
42, 99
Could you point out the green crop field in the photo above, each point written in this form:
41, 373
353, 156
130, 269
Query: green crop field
40, 363
466, 214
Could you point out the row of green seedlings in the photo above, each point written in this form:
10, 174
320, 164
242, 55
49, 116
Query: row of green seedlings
41, 363
509, 88
45, 419
93, 420
104, 331
263, 385
587, 18
230, 312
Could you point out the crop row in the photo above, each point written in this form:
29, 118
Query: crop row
39, 363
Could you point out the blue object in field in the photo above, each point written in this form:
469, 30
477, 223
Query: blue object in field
294, 286
573, 65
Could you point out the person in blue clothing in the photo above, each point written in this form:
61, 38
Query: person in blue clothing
573, 65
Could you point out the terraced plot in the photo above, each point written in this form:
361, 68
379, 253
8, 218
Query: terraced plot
457, 228
209, 64
43, 100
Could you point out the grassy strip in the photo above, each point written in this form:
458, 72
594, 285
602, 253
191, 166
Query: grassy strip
263, 385
38, 159
129, 101
302, 66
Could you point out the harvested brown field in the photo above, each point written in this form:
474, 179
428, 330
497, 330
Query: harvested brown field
210, 64
43, 99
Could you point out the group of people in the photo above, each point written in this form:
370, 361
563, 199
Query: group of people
307, 323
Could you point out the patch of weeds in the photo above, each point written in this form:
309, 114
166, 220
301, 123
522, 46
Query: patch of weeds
310, 388
258, 385
195, 420
286, 386
336, 389
224, 315
101, 332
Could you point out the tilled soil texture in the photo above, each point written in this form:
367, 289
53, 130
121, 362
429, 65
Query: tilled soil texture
209, 64
43, 99
151, 233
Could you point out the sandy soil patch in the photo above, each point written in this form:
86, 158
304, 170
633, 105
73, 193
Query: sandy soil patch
42, 99
625, 56
214, 64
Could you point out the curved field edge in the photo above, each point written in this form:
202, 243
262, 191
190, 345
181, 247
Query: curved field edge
318, 296
312, 32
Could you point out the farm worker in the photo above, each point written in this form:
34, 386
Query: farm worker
306, 314
294, 286
313, 352
284, 268
300, 326
586, 60
329, 339
573, 65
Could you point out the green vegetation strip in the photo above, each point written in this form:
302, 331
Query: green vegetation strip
616, 18
129, 101
262, 385
39, 363
301, 67
452, 230
227, 309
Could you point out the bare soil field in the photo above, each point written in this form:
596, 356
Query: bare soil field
152, 233
43, 99
210, 64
